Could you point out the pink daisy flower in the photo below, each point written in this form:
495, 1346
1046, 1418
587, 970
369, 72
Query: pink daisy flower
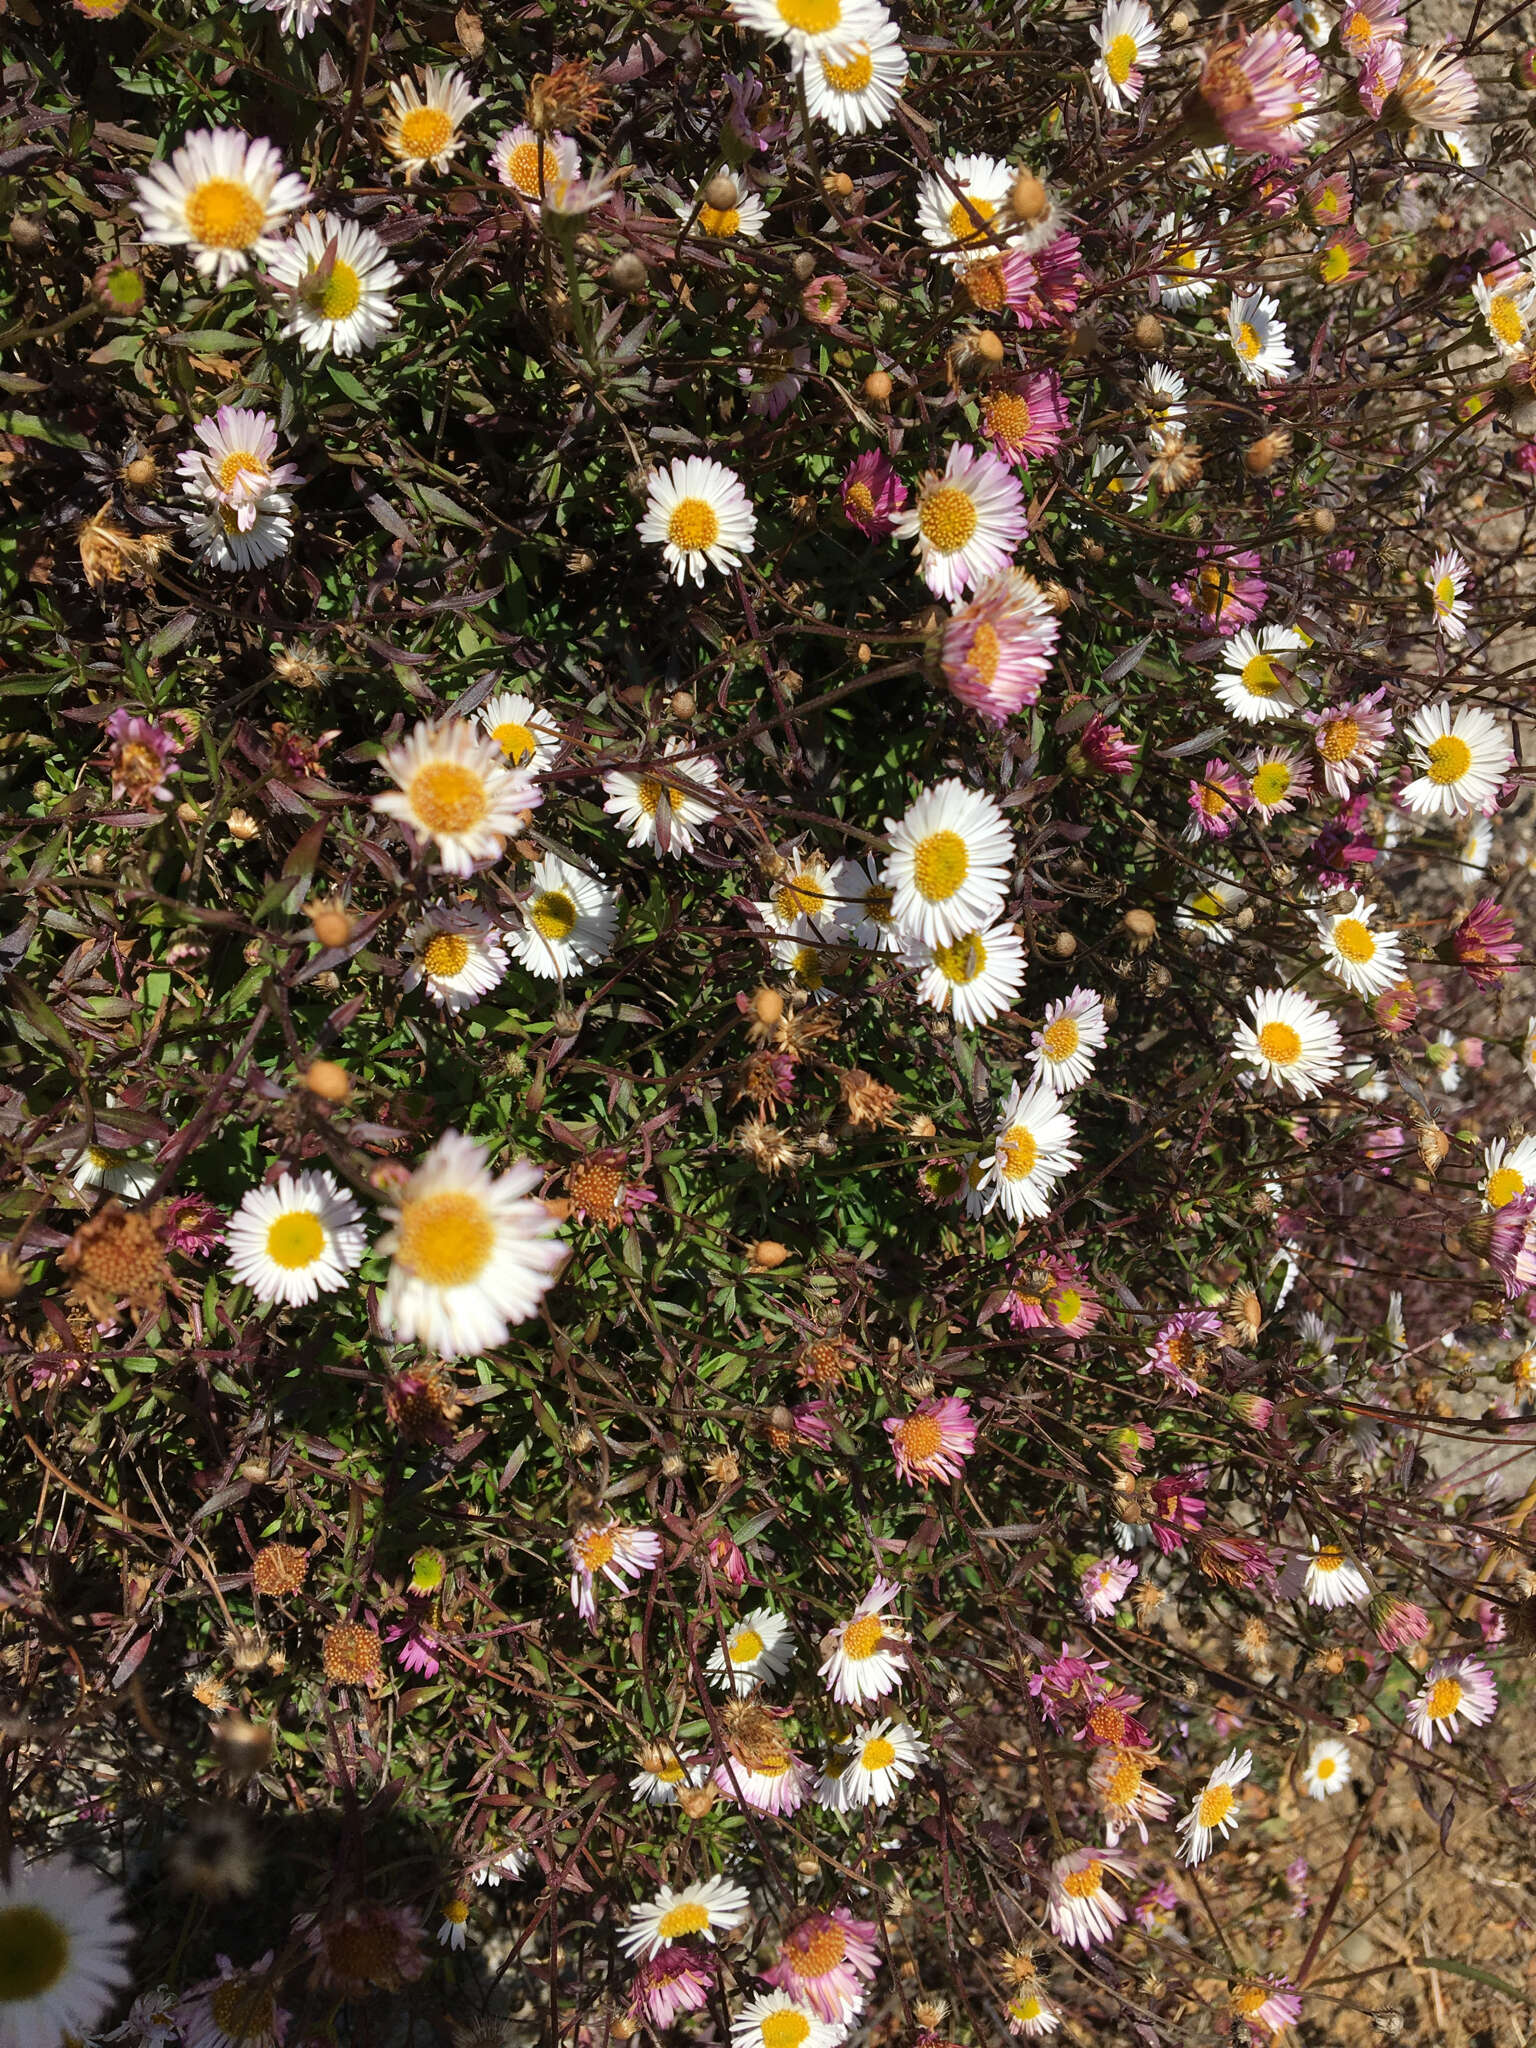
934, 1441
1455, 1689
873, 494
1079, 1906
825, 1962
1104, 747
1348, 738
610, 1549
996, 651
1103, 1585
1026, 415
675, 1980
1224, 593
776, 1784
1485, 944
1265, 2002
1216, 801
966, 521
1177, 1348
1260, 91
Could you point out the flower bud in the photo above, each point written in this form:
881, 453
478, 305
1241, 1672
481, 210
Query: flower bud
684, 704
767, 1005
627, 273
767, 1253
1141, 926
1148, 333
721, 193
877, 387
1029, 200
330, 1082
329, 922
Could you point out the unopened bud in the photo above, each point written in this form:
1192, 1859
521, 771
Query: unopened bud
1260, 457
684, 704
877, 387
767, 1006
329, 922
141, 473
1029, 200
1148, 333
768, 1253
804, 265
1064, 945
1320, 520
26, 234
1178, 23
626, 273
1141, 926
720, 192
330, 1082
838, 186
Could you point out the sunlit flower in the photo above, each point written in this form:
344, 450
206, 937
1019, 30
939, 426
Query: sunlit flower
826, 1960
1102, 1585
471, 1255
424, 128
1031, 2013
457, 954
1433, 89
1027, 414
881, 1757
454, 788
1127, 40
665, 810
1484, 944
222, 196
1181, 1345
675, 1980
805, 899
1257, 680
1334, 1580
866, 1655
1080, 1907
996, 650
933, 1441
1265, 2002
759, 1769
1291, 1040
963, 210
1348, 739
1118, 1779
774, 2019
700, 513
1509, 1170
873, 494
1217, 799
1464, 755
1261, 90
1341, 258
1454, 1689
250, 536
759, 1647
868, 906
1277, 780
295, 17
1366, 961
1447, 583
527, 734
671, 1916
1215, 1812
1074, 1032
1033, 1151
536, 170
950, 862
234, 467
1257, 334
808, 25
744, 219
854, 84
966, 521
62, 1940
339, 276
1224, 593
975, 976
609, 1549
455, 1924
569, 919
296, 1239
1189, 267
1327, 1769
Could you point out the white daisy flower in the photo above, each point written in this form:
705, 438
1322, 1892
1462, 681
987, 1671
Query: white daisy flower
1509, 1170
1316, 22
882, 1756
757, 1648
1327, 1769
869, 906
1215, 1812
1460, 147
235, 466
810, 961
854, 86
454, 788
1075, 1031
807, 898
949, 865
454, 1929
1188, 267
1082, 1910
661, 1771
1162, 393
773, 2019
251, 536
1454, 1689
810, 24
537, 174
526, 734
510, 1864
423, 128
1365, 961
295, 17
222, 196
458, 953
1464, 754
569, 920
1031, 2013
1257, 334
665, 811
1447, 584
1291, 1040
1127, 41
964, 212
1206, 914
472, 1256
701, 515
975, 976
674, 1915
1034, 1150
865, 1657
1509, 311
1333, 1580
62, 1940
1257, 681
340, 276
966, 521
296, 1239
744, 219
120, 1173
1476, 848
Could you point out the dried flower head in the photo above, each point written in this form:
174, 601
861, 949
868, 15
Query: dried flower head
350, 1654
278, 1569
116, 1259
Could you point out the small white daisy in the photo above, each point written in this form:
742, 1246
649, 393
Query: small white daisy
1033, 1151
869, 906
1464, 755
700, 513
1454, 1689
222, 196
1508, 308
1365, 961
757, 1648
1334, 1580
295, 17
950, 862
454, 788
1162, 393
665, 810
966, 521
526, 734
296, 1239
975, 976
661, 1771
1257, 334
1327, 1769
1316, 23
810, 24
963, 212
535, 172
455, 1926
1127, 41
235, 466
854, 86
120, 1173
774, 2019
224, 542
865, 1657
458, 954
569, 919
1075, 1031
744, 219
806, 899
1082, 1910
1291, 1040
674, 1915
1206, 914
471, 1254
1257, 680
1215, 1812
339, 275
1446, 583
1188, 266
424, 128
62, 1938
1031, 2013
881, 1756
1509, 1170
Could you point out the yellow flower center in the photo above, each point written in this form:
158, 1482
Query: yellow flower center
1445, 1696
597, 1547
522, 167
225, 215
1124, 1782
947, 519
1259, 678
1353, 940
1325, 1767
1503, 1186
1018, 1153
238, 464
962, 960
816, 1947
1335, 263
1060, 1040
720, 222
811, 17
1271, 783
296, 1240
648, 794
669, 1773
1067, 1306
517, 742
784, 2029
1027, 2006
456, 1912
861, 499
1505, 320
1215, 1804
877, 1755
341, 293
1206, 907
552, 914
744, 1646
1449, 759
689, 1917
1444, 594
447, 953
1280, 1043
1247, 1998
985, 651
1215, 586
243, 2011
1326, 202
424, 132
863, 1637
1328, 1560
34, 1953
448, 797
1338, 739
693, 526
1120, 58
1248, 342
986, 286
877, 902
801, 896
854, 75
968, 218
445, 1239
921, 1437
1086, 1883
1008, 417
940, 863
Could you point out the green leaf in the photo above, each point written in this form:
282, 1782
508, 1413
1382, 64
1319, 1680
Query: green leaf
31, 428
1452, 1968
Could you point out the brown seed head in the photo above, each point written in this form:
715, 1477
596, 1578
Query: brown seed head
1148, 333
877, 387
768, 1253
278, 1569
350, 1654
116, 1257
327, 1080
